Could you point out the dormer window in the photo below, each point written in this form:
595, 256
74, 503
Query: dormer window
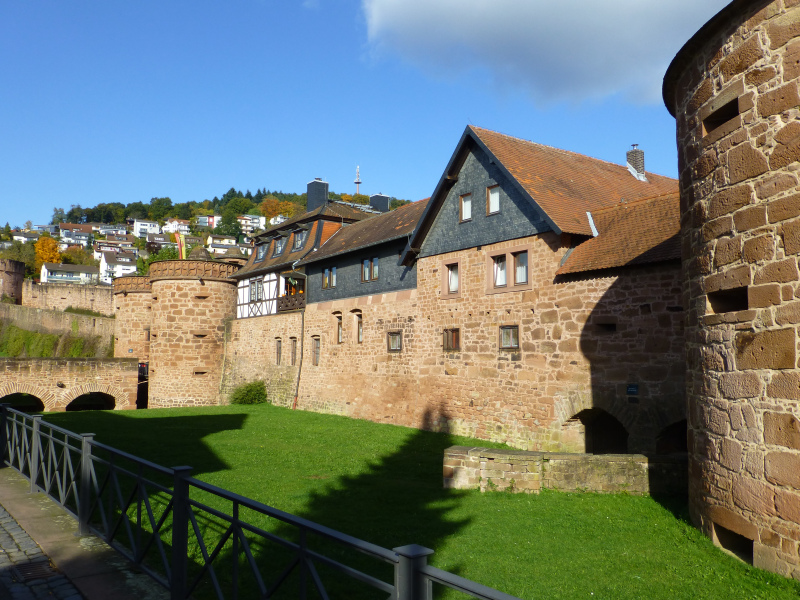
262, 252
279, 244
299, 239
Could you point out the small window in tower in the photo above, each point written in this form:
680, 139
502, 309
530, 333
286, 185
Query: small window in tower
278, 345
732, 300
394, 341
294, 350
722, 115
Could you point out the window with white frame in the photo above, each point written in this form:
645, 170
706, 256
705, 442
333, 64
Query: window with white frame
465, 208
493, 200
520, 267
394, 341
509, 337
508, 270
499, 270
299, 239
279, 245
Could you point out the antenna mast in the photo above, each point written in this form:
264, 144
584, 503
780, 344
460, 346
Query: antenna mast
358, 180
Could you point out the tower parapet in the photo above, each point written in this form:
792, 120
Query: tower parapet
733, 89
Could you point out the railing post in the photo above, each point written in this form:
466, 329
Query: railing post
85, 484
409, 583
3, 433
36, 447
180, 532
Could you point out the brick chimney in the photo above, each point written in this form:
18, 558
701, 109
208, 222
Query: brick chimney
635, 158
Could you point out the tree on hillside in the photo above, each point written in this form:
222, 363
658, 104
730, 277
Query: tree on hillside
165, 253
24, 253
46, 251
240, 206
59, 216
75, 214
159, 208
78, 255
395, 203
272, 207
137, 210
228, 225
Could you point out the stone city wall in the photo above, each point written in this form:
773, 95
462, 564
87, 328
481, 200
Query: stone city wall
56, 322
251, 354
737, 104
133, 299
58, 296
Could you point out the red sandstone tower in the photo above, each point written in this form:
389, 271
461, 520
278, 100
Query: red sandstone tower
133, 312
192, 300
733, 89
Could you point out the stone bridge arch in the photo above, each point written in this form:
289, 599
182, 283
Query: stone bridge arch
121, 399
24, 387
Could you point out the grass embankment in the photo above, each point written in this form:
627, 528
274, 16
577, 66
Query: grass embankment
383, 484
23, 343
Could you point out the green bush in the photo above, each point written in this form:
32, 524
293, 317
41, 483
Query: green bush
86, 312
254, 392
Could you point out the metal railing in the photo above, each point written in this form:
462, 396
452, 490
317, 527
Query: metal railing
154, 517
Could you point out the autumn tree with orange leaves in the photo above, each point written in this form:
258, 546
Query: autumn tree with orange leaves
46, 250
272, 207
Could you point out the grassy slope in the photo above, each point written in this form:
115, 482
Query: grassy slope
383, 484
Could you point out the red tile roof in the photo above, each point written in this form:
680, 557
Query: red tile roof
630, 233
566, 184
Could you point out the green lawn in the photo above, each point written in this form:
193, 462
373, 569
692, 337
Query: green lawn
383, 484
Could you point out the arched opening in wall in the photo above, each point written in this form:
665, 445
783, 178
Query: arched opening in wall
143, 385
92, 401
23, 402
601, 432
672, 439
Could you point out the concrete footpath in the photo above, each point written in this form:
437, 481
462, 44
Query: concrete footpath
36, 529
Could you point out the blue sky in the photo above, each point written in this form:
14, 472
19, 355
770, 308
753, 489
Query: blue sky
124, 101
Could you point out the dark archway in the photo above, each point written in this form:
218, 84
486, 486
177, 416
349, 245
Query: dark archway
603, 434
27, 403
92, 401
672, 439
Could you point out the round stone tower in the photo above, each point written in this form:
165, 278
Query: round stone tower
133, 314
12, 272
192, 300
733, 89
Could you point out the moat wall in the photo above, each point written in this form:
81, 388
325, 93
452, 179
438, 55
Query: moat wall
58, 296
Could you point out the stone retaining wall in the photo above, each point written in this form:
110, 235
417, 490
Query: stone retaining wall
522, 471
57, 322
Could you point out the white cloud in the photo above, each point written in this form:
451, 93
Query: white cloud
555, 50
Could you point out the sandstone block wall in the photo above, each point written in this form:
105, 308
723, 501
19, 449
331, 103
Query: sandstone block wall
12, 273
56, 322
737, 105
58, 296
59, 381
191, 304
251, 355
134, 315
520, 471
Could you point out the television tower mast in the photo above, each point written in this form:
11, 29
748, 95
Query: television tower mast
358, 180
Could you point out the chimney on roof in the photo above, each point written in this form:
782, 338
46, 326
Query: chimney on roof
317, 194
379, 202
635, 158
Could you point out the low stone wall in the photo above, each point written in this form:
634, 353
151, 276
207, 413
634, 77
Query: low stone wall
57, 322
520, 471
58, 296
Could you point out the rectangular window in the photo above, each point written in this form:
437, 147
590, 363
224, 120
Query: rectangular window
294, 351
509, 337
466, 208
359, 328
369, 269
452, 341
279, 244
333, 277
339, 329
492, 200
394, 341
299, 239
500, 270
278, 351
315, 344
452, 278
256, 290
520, 268
326, 279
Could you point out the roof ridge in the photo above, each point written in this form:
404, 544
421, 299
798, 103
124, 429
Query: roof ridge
560, 150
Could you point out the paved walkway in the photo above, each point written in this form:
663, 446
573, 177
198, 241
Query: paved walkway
25, 571
36, 533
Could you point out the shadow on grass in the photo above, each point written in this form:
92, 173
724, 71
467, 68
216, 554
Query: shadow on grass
398, 500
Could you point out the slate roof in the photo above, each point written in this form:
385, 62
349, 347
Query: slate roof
52, 267
335, 210
565, 184
389, 226
630, 233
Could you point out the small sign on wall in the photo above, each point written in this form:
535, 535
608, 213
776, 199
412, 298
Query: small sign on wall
633, 389
130, 350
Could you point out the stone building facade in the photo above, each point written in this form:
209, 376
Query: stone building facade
734, 90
